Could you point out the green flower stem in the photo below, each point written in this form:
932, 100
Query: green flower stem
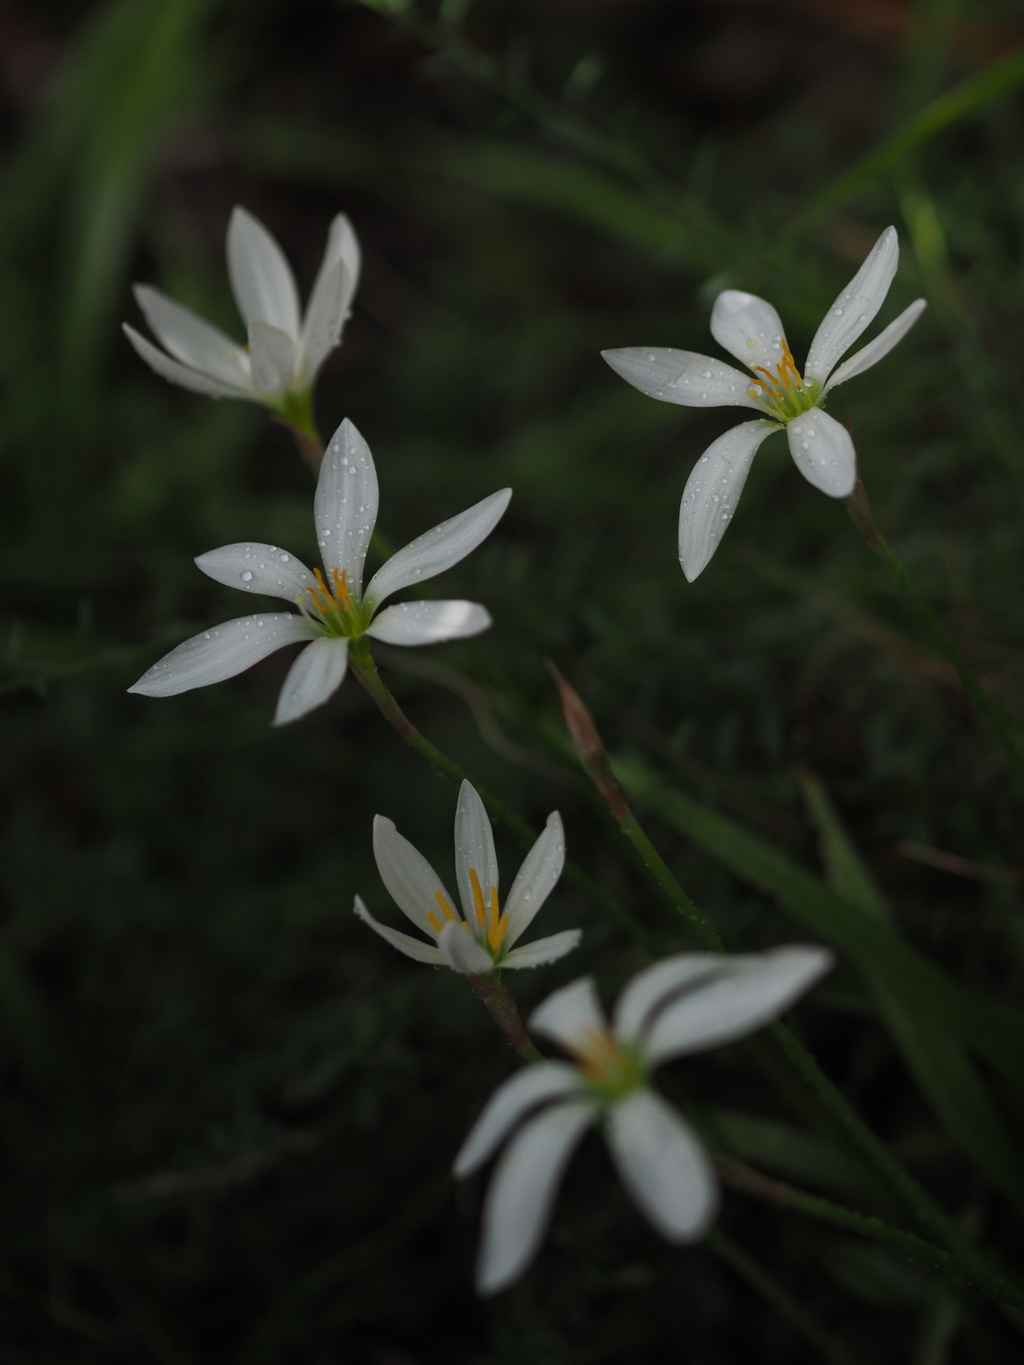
954, 1264
362, 663
501, 1005
778, 1297
859, 508
590, 748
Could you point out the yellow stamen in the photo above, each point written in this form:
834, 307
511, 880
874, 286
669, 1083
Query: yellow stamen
478, 898
442, 901
341, 588
498, 922
596, 1053
435, 923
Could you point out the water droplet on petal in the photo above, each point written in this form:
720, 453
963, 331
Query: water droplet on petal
245, 576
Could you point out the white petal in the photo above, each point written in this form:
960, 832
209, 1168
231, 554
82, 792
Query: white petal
695, 381
462, 953
261, 278
273, 358
192, 340
749, 992
571, 1016
536, 879
313, 678
474, 848
523, 1189
663, 1166
873, 352
439, 548
748, 327
712, 492
167, 368
221, 652
428, 623
823, 452
331, 298
509, 1105
411, 881
254, 567
345, 507
855, 307
544, 950
652, 988
405, 943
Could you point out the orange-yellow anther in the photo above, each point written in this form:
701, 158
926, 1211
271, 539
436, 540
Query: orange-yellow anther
597, 1053
785, 376
497, 923
341, 592
324, 600
442, 901
478, 899
435, 923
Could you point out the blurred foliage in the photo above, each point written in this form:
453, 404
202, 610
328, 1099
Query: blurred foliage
229, 1112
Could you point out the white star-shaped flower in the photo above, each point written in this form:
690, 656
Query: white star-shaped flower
284, 351
681, 1005
481, 940
333, 609
751, 330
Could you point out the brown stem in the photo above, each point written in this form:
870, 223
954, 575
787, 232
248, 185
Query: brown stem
501, 1006
311, 448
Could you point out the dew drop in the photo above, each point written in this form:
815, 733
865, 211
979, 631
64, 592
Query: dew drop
245, 576
837, 312
649, 356
284, 558
705, 374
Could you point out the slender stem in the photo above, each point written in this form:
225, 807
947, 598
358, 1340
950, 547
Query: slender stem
590, 748
365, 670
859, 508
501, 1005
957, 1266
310, 445
777, 1296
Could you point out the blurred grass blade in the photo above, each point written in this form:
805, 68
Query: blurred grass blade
997, 80
845, 871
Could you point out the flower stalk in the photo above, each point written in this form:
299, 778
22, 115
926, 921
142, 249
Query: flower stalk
859, 508
501, 1005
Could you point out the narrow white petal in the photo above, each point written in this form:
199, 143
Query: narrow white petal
405, 943
321, 330
429, 623
650, 989
748, 327
254, 567
411, 881
855, 307
663, 1166
536, 879
167, 368
571, 1016
823, 452
261, 278
462, 953
523, 1189
192, 340
874, 351
509, 1105
273, 358
754, 989
439, 548
221, 652
544, 950
345, 507
313, 678
474, 848
712, 492
684, 377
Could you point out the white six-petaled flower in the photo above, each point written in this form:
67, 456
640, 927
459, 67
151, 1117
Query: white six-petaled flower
284, 351
681, 1005
333, 610
481, 940
751, 330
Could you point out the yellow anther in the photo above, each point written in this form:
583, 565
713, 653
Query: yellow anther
341, 588
478, 898
597, 1053
446, 909
435, 923
498, 922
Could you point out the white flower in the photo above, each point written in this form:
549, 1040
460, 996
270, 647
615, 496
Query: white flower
334, 610
280, 362
751, 330
681, 1005
481, 942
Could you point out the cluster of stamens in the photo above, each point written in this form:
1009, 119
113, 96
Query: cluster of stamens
491, 921
614, 1069
782, 389
333, 605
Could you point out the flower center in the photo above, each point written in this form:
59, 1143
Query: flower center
610, 1067
332, 609
781, 388
491, 924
